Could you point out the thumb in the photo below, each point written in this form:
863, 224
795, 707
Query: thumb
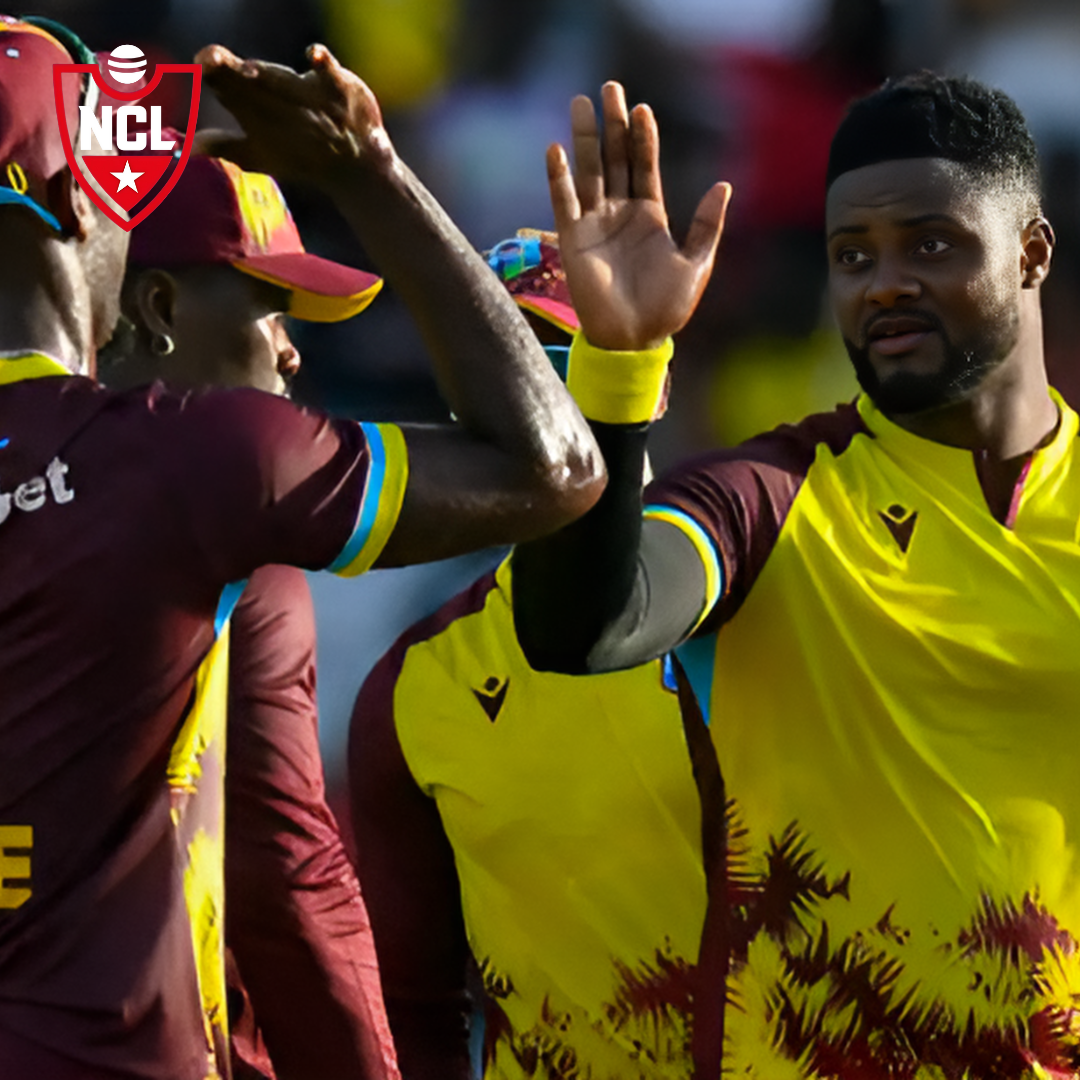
708, 223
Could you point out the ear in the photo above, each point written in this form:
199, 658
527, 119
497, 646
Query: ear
1038, 248
153, 299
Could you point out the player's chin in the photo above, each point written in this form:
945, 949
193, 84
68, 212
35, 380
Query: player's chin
903, 385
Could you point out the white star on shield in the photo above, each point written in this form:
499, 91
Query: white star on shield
127, 178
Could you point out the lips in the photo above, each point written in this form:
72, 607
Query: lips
893, 336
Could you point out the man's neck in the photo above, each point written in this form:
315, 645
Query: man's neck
25, 332
44, 300
1008, 415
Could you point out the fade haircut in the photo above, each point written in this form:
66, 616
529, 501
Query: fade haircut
945, 116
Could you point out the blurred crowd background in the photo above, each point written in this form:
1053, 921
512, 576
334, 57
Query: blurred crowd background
473, 92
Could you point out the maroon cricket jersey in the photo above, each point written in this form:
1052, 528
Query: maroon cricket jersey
296, 921
123, 519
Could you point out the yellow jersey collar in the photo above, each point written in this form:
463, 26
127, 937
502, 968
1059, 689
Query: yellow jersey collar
908, 447
15, 367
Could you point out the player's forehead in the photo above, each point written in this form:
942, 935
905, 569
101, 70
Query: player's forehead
907, 189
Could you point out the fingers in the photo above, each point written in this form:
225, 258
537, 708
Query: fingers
645, 155
564, 200
616, 141
623, 162
252, 83
331, 75
707, 225
588, 165
344, 86
213, 57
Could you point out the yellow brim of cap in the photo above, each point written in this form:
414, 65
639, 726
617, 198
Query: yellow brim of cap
318, 307
561, 315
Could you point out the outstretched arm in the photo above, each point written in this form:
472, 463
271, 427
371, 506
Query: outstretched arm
519, 461
606, 592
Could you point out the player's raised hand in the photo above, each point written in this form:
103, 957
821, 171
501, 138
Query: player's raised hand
311, 126
632, 285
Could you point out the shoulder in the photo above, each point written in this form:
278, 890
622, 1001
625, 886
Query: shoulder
277, 586
234, 415
786, 451
275, 594
375, 701
768, 468
734, 501
471, 600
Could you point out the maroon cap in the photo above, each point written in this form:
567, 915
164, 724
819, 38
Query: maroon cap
530, 266
31, 150
220, 214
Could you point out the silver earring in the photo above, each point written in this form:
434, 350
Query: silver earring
162, 344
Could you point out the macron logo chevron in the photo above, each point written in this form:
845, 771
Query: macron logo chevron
492, 696
900, 523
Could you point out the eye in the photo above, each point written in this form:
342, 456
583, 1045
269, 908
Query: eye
933, 245
852, 257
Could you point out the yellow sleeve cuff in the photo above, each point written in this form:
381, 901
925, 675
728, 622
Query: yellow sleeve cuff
616, 387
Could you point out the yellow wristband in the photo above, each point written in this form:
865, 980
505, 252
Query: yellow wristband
617, 387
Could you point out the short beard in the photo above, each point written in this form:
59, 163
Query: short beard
961, 372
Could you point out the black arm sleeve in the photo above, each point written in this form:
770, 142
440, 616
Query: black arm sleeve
607, 592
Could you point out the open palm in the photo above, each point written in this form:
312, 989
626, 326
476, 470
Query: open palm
631, 283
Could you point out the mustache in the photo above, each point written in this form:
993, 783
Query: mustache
909, 314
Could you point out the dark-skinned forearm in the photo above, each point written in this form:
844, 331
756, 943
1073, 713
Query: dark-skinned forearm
490, 366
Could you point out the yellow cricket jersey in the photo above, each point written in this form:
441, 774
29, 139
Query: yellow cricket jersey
572, 811
892, 677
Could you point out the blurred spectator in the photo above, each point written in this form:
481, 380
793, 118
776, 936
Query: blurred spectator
484, 139
402, 47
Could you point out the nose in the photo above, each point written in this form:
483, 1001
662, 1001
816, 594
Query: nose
891, 281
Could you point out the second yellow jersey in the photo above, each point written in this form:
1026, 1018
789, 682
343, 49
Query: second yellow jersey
893, 701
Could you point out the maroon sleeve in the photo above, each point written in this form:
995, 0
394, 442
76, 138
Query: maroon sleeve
296, 922
407, 870
741, 496
255, 479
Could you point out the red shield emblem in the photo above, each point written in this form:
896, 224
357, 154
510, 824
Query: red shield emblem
117, 143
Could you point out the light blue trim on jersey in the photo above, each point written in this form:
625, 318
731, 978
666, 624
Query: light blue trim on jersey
369, 504
230, 597
703, 544
698, 659
11, 197
667, 673
559, 355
